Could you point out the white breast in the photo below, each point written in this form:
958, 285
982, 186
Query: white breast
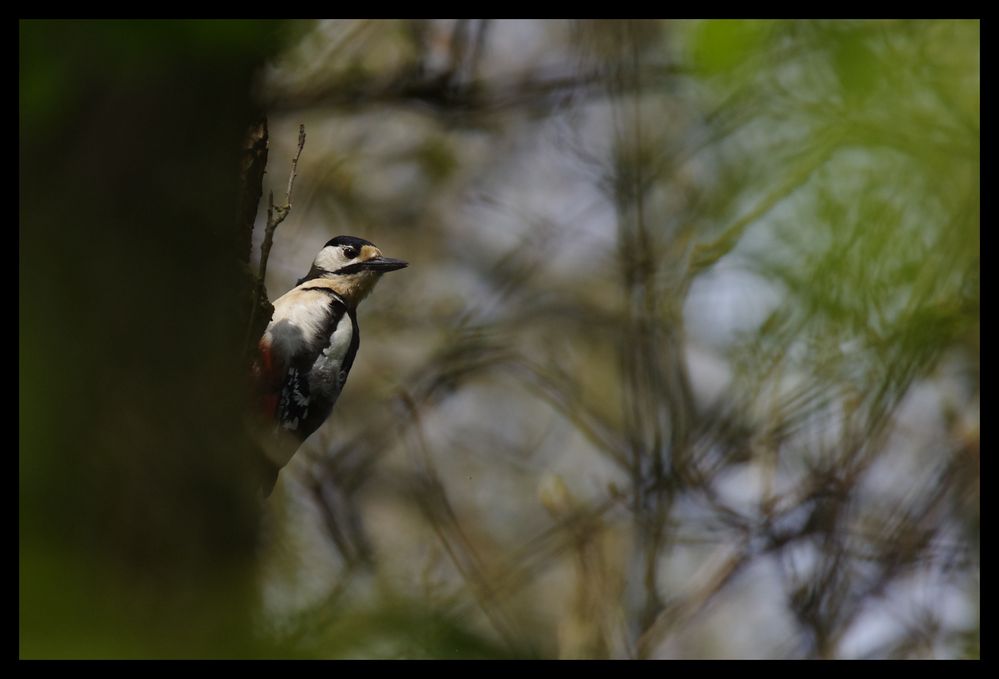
340, 341
325, 376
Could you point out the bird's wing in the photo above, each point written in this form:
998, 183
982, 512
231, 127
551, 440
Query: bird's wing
300, 330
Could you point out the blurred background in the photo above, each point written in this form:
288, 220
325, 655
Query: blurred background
685, 363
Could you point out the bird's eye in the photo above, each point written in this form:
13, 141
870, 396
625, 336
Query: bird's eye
349, 252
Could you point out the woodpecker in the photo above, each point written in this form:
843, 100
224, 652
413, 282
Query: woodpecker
308, 348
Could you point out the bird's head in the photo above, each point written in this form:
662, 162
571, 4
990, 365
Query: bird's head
353, 266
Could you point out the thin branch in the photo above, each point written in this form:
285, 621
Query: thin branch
476, 97
277, 213
686, 608
433, 499
707, 254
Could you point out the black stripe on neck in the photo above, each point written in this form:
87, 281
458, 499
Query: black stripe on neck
314, 273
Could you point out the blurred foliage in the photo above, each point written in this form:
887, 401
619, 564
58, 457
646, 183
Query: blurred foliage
686, 362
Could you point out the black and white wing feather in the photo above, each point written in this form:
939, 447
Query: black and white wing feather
306, 354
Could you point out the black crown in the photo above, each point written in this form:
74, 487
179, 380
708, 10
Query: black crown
349, 240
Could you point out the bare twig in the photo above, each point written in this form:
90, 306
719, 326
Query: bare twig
275, 215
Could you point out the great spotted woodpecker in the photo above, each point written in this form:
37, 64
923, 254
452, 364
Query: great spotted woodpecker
309, 346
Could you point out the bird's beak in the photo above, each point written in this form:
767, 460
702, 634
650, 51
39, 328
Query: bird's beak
380, 263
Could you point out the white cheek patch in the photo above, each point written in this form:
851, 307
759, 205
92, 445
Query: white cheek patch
331, 258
